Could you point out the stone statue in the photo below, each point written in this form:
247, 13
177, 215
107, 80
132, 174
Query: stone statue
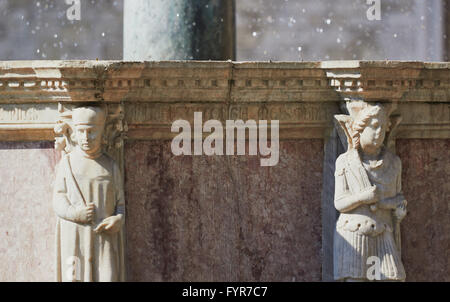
89, 202
369, 197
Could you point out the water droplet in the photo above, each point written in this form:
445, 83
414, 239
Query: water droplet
328, 21
395, 35
299, 48
303, 10
55, 36
103, 34
178, 15
338, 40
254, 34
38, 4
75, 44
38, 50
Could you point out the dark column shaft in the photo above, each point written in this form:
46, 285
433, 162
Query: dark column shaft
446, 26
179, 30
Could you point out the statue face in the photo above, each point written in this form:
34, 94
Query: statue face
89, 137
372, 137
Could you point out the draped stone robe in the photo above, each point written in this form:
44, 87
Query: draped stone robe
82, 254
361, 232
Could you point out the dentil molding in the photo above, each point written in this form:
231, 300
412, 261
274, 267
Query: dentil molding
303, 96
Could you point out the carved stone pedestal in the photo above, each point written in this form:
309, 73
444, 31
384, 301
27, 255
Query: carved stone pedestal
221, 218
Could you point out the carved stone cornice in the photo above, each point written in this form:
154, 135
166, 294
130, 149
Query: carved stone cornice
302, 95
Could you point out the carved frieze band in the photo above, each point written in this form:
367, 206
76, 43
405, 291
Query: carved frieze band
303, 96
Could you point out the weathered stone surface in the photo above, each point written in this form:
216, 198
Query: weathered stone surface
27, 221
332, 149
223, 218
426, 228
302, 95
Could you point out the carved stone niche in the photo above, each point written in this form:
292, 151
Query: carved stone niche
88, 194
368, 195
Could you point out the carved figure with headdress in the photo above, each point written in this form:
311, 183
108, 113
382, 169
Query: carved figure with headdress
89, 201
368, 195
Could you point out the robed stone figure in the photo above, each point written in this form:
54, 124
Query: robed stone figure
89, 202
369, 197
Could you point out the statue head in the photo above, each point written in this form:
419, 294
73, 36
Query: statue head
89, 124
369, 128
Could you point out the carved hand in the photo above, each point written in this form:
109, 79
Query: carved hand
370, 196
86, 214
110, 225
400, 211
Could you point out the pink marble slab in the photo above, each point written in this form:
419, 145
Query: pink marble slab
27, 221
223, 218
